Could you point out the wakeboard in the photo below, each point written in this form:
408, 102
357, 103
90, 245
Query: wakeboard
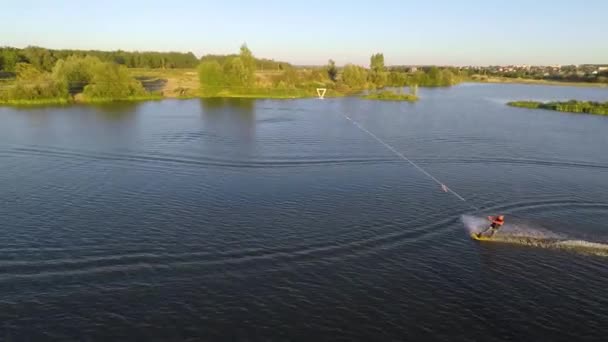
474, 236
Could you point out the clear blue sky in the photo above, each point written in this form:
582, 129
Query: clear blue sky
478, 32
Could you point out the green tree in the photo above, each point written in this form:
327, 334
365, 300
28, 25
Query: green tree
76, 71
433, 76
447, 78
354, 76
377, 75
9, 57
237, 75
112, 81
318, 75
211, 76
332, 71
378, 79
376, 63
33, 84
397, 79
290, 77
44, 59
249, 64
41, 58
27, 72
419, 78
260, 64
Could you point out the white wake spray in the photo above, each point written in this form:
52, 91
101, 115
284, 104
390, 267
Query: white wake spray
527, 234
474, 224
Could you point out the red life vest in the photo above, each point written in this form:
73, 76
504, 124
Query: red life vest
498, 221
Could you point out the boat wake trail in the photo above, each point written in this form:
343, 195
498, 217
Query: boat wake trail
527, 235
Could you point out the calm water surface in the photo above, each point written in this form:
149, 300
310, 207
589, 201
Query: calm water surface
281, 220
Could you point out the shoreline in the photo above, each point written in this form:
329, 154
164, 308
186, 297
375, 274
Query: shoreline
507, 80
70, 101
387, 95
298, 94
572, 106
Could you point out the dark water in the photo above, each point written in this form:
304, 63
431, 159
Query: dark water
281, 220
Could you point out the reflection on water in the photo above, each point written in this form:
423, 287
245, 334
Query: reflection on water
232, 116
111, 111
222, 105
116, 110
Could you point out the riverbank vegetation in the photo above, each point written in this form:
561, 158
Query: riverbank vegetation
37, 75
573, 106
74, 79
387, 95
45, 59
240, 76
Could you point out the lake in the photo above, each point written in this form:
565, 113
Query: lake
282, 220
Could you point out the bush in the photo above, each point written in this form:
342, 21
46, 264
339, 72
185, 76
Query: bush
112, 81
211, 77
355, 77
572, 106
76, 71
391, 96
32, 84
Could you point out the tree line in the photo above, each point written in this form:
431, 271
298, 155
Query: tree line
45, 74
44, 59
236, 73
261, 64
95, 79
379, 76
